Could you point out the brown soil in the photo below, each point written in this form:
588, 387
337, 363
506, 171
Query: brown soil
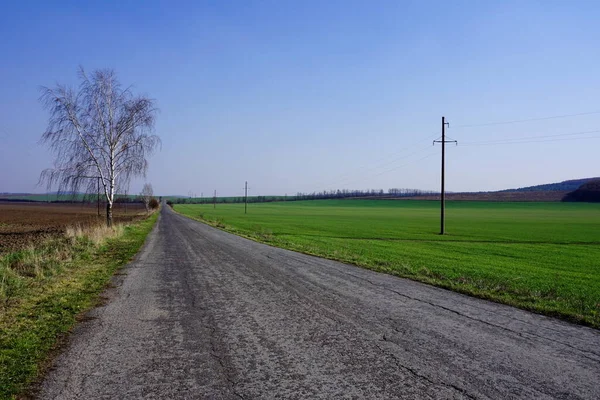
22, 224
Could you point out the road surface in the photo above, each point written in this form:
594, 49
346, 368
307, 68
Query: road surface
202, 313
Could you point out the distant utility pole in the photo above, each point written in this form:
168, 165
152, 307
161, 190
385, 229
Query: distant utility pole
246, 198
215, 200
443, 193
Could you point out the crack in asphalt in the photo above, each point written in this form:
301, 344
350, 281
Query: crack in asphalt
424, 377
583, 353
224, 367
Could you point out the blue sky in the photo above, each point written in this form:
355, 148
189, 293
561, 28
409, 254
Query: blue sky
311, 95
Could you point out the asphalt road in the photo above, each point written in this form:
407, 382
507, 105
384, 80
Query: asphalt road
204, 314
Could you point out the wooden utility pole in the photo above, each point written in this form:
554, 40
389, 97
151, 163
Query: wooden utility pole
246, 198
215, 200
443, 191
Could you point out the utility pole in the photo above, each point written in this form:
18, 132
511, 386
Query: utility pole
443, 192
215, 200
246, 198
98, 196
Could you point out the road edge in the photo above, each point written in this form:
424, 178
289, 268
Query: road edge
105, 274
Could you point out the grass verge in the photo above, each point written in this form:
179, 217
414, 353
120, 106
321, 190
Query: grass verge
44, 289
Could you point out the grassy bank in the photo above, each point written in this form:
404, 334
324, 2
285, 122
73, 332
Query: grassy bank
44, 289
542, 257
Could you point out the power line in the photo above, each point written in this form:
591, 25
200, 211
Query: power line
362, 178
364, 175
535, 139
362, 169
365, 172
396, 160
405, 164
526, 120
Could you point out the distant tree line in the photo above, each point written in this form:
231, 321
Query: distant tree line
326, 194
369, 193
238, 199
72, 199
569, 185
588, 192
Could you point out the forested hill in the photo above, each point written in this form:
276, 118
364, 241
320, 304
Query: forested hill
589, 192
569, 186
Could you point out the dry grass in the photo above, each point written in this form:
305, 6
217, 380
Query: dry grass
35, 263
97, 234
51, 284
22, 224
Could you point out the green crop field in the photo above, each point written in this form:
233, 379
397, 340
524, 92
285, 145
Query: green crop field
543, 257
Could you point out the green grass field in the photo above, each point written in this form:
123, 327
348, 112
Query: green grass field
543, 257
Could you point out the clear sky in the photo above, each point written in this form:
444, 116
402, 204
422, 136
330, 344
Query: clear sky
311, 95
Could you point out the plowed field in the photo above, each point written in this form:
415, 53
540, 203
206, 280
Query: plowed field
22, 224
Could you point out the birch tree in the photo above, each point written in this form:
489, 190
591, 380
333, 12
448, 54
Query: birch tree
100, 132
146, 195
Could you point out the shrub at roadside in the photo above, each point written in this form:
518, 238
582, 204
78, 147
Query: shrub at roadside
153, 204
